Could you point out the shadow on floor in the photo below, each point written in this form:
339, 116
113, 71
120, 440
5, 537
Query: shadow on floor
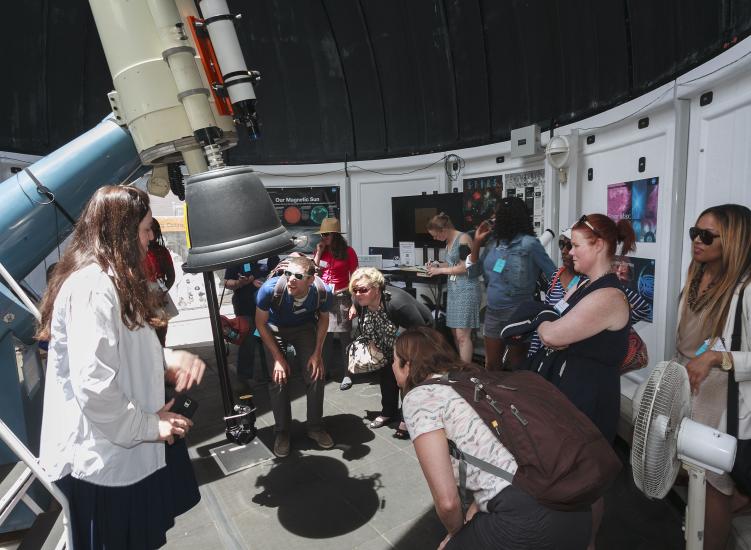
303, 512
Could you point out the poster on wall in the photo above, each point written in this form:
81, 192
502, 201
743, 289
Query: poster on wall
302, 209
529, 186
636, 201
188, 291
480, 196
637, 275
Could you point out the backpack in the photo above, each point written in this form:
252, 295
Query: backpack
280, 287
563, 460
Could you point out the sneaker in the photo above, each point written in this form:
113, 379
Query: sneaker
322, 438
281, 445
346, 383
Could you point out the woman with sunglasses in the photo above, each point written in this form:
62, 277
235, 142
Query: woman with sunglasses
511, 263
336, 262
719, 269
382, 309
567, 278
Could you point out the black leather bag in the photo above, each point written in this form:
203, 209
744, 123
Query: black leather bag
547, 363
741, 473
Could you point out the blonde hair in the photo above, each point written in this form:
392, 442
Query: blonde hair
735, 234
439, 222
370, 274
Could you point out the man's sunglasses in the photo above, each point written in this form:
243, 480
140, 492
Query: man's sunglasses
585, 221
298, 276
361, 290
706, 236
564, 244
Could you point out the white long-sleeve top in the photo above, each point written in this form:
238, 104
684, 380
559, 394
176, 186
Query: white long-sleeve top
104, 385
741, 361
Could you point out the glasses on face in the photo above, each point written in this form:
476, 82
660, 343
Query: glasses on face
564, 244
361, 290
326, 234
705, 235
298, 276
585, 221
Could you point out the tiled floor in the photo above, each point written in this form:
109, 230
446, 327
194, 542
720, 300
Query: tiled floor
367, 492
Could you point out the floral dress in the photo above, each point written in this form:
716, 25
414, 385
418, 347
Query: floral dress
378, 328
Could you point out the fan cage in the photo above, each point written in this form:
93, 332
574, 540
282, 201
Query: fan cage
664, 403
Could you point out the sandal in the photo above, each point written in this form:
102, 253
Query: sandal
401, 433
379, 422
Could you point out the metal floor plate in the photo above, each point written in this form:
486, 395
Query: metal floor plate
232, 458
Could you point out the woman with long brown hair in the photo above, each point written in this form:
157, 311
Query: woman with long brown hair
719, 270
105, 418
501, 515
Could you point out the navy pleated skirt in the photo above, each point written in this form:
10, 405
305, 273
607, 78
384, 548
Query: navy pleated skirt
134, 516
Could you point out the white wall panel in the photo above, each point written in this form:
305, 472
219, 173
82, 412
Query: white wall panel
614, 158
371, 209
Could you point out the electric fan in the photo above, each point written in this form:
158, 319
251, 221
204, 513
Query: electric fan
665, 437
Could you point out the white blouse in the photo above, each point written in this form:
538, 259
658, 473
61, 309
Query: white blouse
103, 386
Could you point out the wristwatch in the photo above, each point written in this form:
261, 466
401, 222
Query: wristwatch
727, 362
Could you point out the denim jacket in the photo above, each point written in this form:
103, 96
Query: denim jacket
510, 269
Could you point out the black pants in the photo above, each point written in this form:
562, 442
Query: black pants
516, 521
389, 393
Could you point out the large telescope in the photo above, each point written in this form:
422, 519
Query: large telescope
182, 94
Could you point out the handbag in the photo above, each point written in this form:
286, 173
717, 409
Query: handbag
637, 355
364, 356
741, 473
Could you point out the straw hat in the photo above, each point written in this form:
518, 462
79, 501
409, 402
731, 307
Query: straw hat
330, 225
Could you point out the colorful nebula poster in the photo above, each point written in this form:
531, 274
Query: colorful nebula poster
638, 276
636, 201
302, 209
480, 196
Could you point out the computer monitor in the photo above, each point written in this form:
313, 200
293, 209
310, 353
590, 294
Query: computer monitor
410, 215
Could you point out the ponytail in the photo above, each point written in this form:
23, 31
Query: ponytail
626, 236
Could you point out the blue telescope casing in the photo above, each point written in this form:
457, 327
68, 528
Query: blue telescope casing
29, 225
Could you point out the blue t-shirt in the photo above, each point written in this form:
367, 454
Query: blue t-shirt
289, 314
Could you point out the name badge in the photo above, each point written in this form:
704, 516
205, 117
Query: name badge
719, 345
246, 267
573, 283
561, 306
500, 263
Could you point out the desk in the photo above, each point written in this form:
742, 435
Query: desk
411, 276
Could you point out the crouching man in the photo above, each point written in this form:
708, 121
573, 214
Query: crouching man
293, 309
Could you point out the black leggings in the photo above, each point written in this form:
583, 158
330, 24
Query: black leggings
389, 393
516, 521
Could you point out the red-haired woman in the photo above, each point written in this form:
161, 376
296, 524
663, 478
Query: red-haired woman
594, 326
